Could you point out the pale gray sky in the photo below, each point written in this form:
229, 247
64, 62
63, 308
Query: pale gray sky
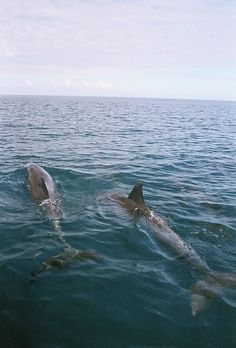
149, 48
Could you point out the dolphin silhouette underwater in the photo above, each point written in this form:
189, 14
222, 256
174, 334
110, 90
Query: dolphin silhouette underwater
43, 190
212, 283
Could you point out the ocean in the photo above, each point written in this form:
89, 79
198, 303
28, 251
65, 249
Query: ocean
138, 293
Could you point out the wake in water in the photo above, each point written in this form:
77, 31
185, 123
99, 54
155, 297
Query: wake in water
43, 190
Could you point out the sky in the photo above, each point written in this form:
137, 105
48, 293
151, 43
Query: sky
130, 48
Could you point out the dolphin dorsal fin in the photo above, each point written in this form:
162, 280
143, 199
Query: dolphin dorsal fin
136, 194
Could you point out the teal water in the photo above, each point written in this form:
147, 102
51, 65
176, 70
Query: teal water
184, 153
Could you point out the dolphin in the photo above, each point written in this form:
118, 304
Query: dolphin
212, 283
43, 190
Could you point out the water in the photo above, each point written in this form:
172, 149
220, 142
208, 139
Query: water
138, 295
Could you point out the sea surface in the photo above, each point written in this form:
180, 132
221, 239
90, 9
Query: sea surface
138, 293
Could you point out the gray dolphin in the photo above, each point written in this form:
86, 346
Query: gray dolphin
43, 190
212, 283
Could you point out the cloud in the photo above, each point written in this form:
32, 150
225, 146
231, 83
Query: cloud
67, 83
29, 83
117, 34
98, 86
75, 41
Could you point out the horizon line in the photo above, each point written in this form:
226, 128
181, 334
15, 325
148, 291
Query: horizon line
109, 96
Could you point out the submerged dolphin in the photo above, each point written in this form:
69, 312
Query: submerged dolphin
212, 283
64, 259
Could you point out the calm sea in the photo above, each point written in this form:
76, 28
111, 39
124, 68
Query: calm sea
138, 295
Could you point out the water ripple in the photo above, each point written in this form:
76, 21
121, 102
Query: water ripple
139, 294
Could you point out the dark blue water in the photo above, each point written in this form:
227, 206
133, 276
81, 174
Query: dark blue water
184, 153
